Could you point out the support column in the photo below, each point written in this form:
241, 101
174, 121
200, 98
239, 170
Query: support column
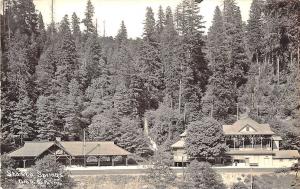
243, 142
126, 160
261, 143
70, 161
99, 159
252, 141
271, 143
112, 161
234, 143
24, 163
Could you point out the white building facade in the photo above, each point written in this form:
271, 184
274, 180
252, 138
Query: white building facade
250, 144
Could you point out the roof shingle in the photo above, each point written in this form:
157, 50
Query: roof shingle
259, 129
75, 148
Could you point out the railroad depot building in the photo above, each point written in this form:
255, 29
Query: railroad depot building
71, 153
250, 144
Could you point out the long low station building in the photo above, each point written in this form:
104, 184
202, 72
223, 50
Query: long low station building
71, 153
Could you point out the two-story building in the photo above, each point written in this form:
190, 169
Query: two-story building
250, 144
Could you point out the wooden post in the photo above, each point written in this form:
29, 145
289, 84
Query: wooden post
234, 143
271, 143
237, 111
99, 159
243, 142
252, 141
126, 160
112, 161
261, 142
24, 163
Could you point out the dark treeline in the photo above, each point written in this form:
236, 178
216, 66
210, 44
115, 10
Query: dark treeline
58, 80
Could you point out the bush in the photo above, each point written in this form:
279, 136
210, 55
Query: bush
205, 139
7, 167
47, 173
160, 176
201, 175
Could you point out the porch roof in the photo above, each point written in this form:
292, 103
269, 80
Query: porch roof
94, 148
31, 149
251, 152
74, 148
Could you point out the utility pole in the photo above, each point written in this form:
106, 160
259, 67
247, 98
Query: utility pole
278, 71
251, 187
84, 146
104, 29
21, 135
97, 26
52, 18
52, 11
237, 111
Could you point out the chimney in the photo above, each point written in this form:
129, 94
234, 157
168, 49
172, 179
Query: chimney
58, 139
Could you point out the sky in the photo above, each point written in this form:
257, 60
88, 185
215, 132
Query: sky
112, 12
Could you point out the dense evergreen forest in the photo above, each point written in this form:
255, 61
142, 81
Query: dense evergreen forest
59, 80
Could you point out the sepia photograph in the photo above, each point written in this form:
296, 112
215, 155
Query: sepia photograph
150, 94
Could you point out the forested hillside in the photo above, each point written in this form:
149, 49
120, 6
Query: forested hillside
58, 80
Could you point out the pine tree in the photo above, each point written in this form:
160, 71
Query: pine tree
23, 119
219, 99
105, 126
169, 57
25, 18
160, 20
132, 138
121, 37
67, 50
194, 66
88, 20
149, 34
75, 25
255, 30
122, 102
238, 59
76, 30
46, 119
73, 108
92, 60
150, 63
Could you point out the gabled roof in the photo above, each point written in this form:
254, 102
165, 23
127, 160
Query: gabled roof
183, 134
94, 148
178, 144
287, 154
32, 149
74, 148
237, 127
